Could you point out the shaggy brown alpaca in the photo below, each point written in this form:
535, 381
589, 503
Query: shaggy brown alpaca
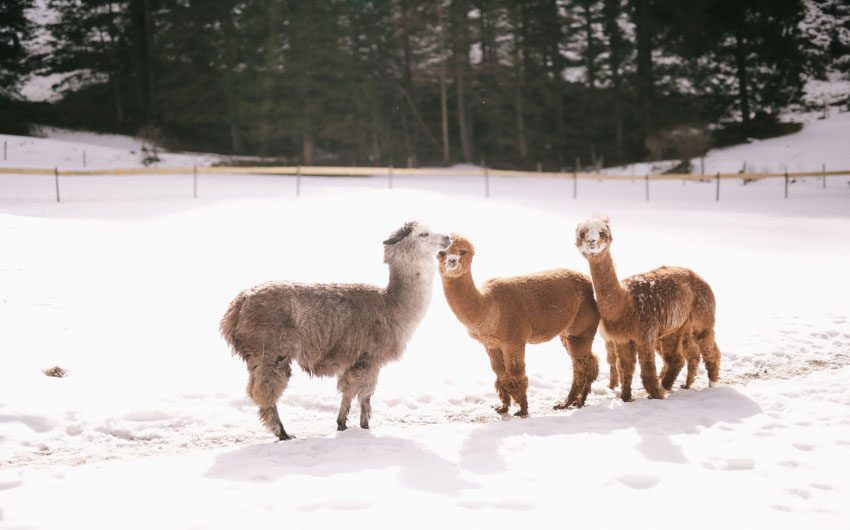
508, 313
670, 309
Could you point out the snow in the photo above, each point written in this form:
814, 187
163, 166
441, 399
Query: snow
124, 282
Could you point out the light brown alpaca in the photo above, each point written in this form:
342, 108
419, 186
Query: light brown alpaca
669, 308
508, 313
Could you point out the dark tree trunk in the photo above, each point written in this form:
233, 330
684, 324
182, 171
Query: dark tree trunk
557, 68
611, 12
460, 44
645, 83
142, 32
444, 104
741, 67
519, 81
407, 77
588, 30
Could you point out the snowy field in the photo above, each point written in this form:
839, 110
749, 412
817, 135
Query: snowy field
123, 285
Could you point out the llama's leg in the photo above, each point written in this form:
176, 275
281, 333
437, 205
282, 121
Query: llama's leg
517, 380
672, 353
613, 371
585, 368
268, 377
349, 384
626, 358
710, 356
648, 375
365, 396
692, 354
497, 362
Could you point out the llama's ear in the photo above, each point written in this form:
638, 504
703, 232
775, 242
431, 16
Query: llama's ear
400, 234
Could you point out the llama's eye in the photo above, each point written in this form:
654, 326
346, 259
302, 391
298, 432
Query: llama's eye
462, 253
424, 234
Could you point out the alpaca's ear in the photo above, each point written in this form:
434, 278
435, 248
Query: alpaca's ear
400, 234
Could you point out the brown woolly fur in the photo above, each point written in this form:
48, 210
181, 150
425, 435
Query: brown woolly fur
670, 309
345, 330
508, 313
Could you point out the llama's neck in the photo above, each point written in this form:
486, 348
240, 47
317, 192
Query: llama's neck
464, 298
408, 292
613, 300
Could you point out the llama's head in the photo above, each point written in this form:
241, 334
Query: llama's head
413, 242
593, 237
457, 259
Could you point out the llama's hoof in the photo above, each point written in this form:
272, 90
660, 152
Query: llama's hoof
686, 387
284, 437
341, 426
501, 409
561, 405
521, 414
364, 425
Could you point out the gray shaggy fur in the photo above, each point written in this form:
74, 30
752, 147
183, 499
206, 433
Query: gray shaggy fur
345, 330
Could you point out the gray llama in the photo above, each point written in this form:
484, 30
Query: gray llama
344, 330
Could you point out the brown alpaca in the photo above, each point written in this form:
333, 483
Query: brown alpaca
670, 309
508, 313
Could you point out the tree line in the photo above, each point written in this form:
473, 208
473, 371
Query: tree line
408, 82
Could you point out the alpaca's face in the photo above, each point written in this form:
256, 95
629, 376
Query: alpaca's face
457, 259
593, 237
414, 241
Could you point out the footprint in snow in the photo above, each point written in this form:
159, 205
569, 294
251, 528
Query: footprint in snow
639, 481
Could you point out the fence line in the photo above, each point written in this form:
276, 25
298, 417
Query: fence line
346, 171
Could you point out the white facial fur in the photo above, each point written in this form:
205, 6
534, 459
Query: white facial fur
590, 243
433, 241
452, 262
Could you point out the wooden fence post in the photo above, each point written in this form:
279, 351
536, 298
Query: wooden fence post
647, 186
56, 178
298, 181
4, 149
823, 174
718, 187
575, 184
786, 183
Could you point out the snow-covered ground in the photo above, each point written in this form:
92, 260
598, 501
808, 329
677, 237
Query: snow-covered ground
124, 283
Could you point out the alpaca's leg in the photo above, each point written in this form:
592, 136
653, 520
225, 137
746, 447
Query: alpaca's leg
672, 353
648, 375
585, 368
497, 362
692, 354
517, 380
710, 355
365, 397
356, 380
626, 358
268, 378
613, 371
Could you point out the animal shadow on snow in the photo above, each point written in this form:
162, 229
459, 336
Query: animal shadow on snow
655, 421
418, 467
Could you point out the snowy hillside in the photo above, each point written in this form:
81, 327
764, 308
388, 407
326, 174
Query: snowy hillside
124, 284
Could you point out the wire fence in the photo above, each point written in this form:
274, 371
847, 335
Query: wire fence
391, 172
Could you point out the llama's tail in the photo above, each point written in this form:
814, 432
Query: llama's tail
229, 322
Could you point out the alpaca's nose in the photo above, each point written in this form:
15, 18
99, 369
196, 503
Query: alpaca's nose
452, 262
446, 241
